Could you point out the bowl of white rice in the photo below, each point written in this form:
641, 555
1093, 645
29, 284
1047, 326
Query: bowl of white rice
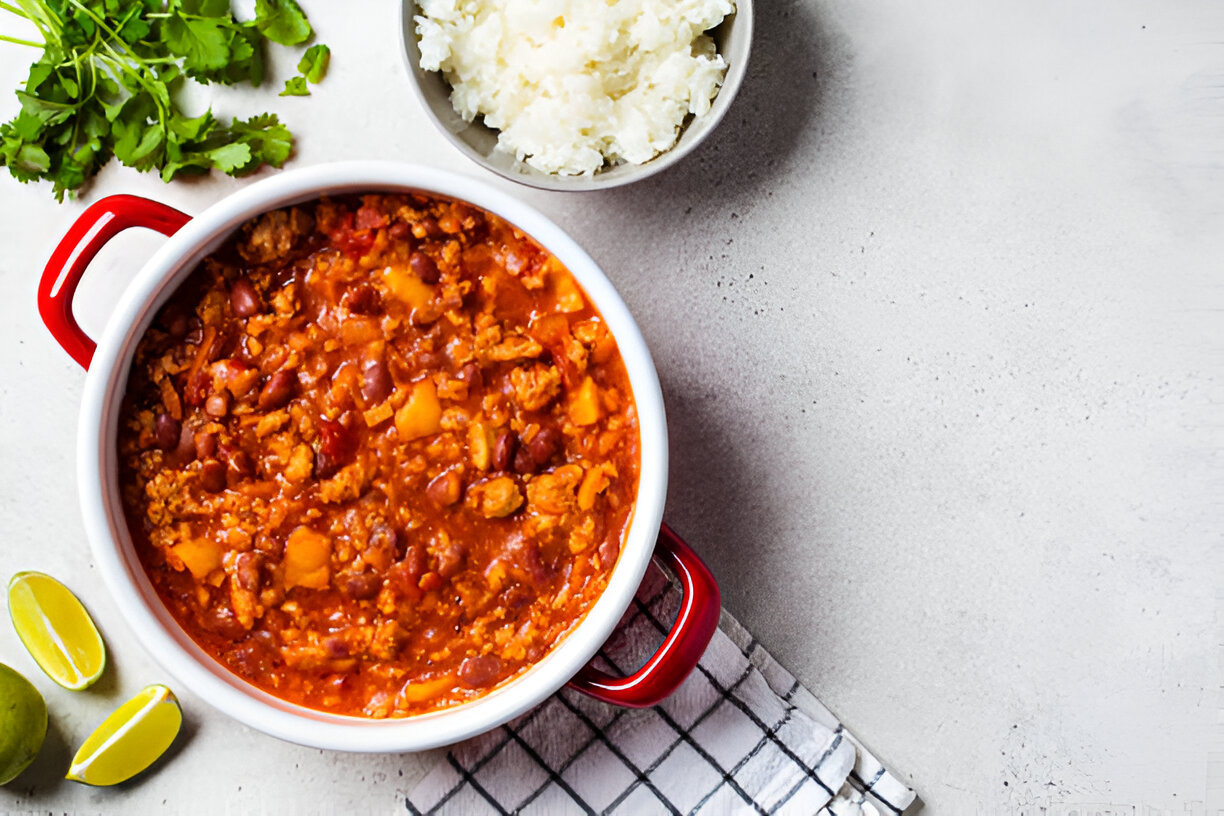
576, 94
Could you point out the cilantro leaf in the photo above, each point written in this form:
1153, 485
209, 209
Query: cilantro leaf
270, 141
202, 44
295, 86
313, 65
230, 158
106, 86
282, 21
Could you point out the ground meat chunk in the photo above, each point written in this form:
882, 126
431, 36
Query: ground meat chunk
374, 485
535, 386
275, 235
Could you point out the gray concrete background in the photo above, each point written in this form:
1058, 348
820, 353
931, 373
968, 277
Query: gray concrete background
937, 317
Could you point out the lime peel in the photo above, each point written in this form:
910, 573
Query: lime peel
56, 629
23, 723
130, 739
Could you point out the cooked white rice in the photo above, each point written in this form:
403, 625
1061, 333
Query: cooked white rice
572, 84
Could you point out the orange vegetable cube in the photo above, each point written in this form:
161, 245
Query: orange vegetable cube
307, 559
592, 485
421, 415
408, 287
200, 556
584, 408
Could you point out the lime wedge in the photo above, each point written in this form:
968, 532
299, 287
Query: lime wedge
23, 723
56, 629
130, 739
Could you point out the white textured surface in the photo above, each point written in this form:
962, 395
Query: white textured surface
937, 315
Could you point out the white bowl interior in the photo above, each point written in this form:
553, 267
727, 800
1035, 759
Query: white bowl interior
112, 545
478, 142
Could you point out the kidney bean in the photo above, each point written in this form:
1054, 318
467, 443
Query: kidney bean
536, 455
545, 445
515, 597
277, 390
336, 647
363, 586
523, 463
431, 227
184, 451
480, 671
166, 431
205, 445
212, 476
337, 446
362, 299
504, 448
273, 358
470, 374
325, 467
251, 660
451, 559
424, 267
244, 300
399, 231
405, 576
217, 405
246, 570
445, 489
221, 619
383, 547
376, 383
415, 560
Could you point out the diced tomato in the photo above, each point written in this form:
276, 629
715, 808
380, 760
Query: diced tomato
553, 333
369, 218
351, 239
337, 446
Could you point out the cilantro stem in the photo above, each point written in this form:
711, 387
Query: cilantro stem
19, 41
41, 15
100, 22
105, 86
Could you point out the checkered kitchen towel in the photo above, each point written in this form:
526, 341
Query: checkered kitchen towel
740, 736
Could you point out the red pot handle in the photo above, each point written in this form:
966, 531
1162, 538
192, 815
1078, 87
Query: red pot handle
100, 222
681, 649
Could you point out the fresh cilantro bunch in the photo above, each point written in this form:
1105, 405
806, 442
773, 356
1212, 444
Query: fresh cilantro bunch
107, 80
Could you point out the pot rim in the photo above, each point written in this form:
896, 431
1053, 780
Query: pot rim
110, 541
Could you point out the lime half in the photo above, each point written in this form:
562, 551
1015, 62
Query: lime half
57, 630
130, 739
23, 723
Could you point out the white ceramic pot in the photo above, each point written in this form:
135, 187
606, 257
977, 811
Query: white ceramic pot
190, 240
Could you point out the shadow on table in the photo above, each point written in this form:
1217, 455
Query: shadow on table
794, 63
48, 769
715, 501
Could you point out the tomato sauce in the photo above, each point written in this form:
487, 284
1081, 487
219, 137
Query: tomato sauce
378, 454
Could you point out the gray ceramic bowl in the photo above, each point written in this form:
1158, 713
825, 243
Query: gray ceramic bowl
733, 37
